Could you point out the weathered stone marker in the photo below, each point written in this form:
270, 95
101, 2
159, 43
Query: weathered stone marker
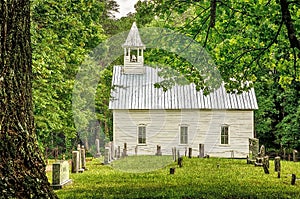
158, 150
172, 170
262, 151
60, 174
253, 147
180, 162
97, 143
277, 164
79, 150
124, 154
190, 152
82, 156
266, 170
201, 150
136, 150
266, 161
106, 155
75, 161
295, 152
119, 152
293, 182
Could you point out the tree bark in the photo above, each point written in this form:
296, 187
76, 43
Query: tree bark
287, 19
22, 169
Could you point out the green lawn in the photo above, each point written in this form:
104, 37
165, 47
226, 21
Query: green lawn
198, 178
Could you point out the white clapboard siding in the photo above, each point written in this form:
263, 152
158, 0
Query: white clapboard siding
204, 126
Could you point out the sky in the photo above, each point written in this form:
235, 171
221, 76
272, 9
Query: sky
126, 6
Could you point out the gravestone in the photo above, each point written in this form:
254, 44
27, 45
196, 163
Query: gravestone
106, 155
124, 154
158, 150
262, 151
97, 143
295, 152
119, 152
190, 152
172, 170
136, 150
180, 162
293, 182
284, 154
75, 161
266, 161
174, 153
79, 150
277, 164
178, 154
266, 170
232, 154
82, 156
253, 148
111, 144
201, 150
60, 174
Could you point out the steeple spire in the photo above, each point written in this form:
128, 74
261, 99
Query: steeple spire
134, 52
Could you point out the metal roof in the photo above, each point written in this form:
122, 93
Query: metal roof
138, 92
133, 38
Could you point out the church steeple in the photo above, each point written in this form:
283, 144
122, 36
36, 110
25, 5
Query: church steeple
134, 52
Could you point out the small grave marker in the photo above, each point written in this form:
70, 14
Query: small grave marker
60, 174
190, 152
124, 154
201, 150
97, 142
277, 164
172, 170
158, 150
180, 162
293, 182
295, 152
106, 155
83, 160
75, 161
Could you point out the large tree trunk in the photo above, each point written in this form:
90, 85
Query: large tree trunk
22, 169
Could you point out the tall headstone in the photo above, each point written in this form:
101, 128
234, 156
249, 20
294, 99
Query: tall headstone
124, 154
106, 155
201, 150
136, 150
190, 152
277, 164
111, 151
262, 151
119, 152
97, 143
75, 161
253, 148
79, 150
60, 174
295, 152
82, 156
158, 150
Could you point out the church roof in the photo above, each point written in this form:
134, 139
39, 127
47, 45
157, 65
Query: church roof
133, 38
138, 92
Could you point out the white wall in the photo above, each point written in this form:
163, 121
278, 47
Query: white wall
204, 126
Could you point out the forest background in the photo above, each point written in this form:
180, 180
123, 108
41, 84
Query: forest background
249, 41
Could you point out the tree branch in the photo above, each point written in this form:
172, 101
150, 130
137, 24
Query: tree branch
287, 19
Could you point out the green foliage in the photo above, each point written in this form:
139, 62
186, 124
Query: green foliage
250, 44
198, 178
63, 33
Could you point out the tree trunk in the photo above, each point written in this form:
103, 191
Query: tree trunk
22, 169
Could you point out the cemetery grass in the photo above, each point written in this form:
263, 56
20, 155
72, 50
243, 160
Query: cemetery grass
198, 178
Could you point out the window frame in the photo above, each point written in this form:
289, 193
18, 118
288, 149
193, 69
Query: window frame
225, 135
186, 139
143, 134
